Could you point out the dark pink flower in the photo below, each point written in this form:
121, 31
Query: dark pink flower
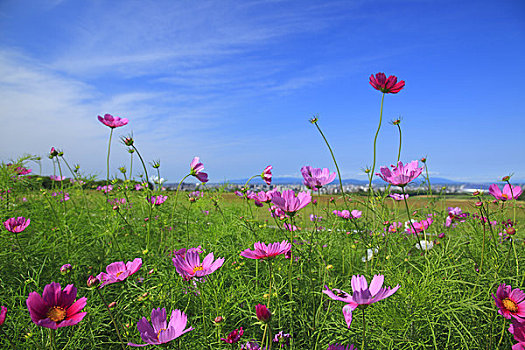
65, 268
3, 313
386, 85
517, 329
118, 271
190, 265
56, 307
159, 331
16, 225
263, 251
112, 122
262, 312
508, 193
363, 294
196, 169
401, 175
234, 336
315, 178
511, 302
267, 175
289, 203
418, 226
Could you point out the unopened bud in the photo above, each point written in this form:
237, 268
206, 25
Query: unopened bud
262, 312
218, 319
93, 281
505, 178
424, 160
112, 304
478, 204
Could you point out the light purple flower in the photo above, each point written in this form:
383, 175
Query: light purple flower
315, 178
398, 196
401, 175
345, 214
158, 200
112, 122
16, 225
57, 178
196, 169
362, 296
508, 193
190, 265
289, 203
118, 271
159, 332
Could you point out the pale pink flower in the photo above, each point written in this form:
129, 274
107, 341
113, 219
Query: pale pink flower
196, 169
398, 197
315, 178
263, 251
159, 332
401, 175
118, 271
288, 202
362, 296
508, 193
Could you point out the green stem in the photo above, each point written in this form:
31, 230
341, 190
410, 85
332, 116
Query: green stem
335, 162
410, 218
107, 169
52, 340
370, 189
177, 195
112, 319
363, 341
4, 335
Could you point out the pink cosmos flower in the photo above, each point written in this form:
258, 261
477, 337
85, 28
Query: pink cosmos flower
455, 214
398, 197
118, 271
263, 251
419, 226
57, 178
158, 200
315, 178
16, 225
267, 175
197, 170
387, 86
362, 296
112, 122
3, 313
56, 307
517, 329
401, 175
511, 302
345, 214
508, 193
277, 212
234, 336
289, 203
159, 332
65, 268
190, 265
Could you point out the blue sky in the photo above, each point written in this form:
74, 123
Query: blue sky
235, 83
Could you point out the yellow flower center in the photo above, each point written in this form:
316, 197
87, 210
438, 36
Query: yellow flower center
198, 268
158, 333
56, 314
505, 196
120, 273
510, 305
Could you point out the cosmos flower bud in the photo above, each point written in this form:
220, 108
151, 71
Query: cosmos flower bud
505, 178
424, 160
314, 119
93, 281
218, 319
65, 268
262, 312
478, 204
112, 304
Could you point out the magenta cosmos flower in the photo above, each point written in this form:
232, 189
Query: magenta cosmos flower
263, 251
267, 175
112, 122
517, 329
345, 214
289, 203
363, 295
118, 271
56, 307
511, 302
196, 169
16, 225
234, 336
508, 193
158, 200
262, 313
315, 178
3, 313
190, 265
158, 332
386, 85
401, 175
419, 226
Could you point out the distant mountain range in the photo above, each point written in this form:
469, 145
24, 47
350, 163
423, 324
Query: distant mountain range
433, 180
